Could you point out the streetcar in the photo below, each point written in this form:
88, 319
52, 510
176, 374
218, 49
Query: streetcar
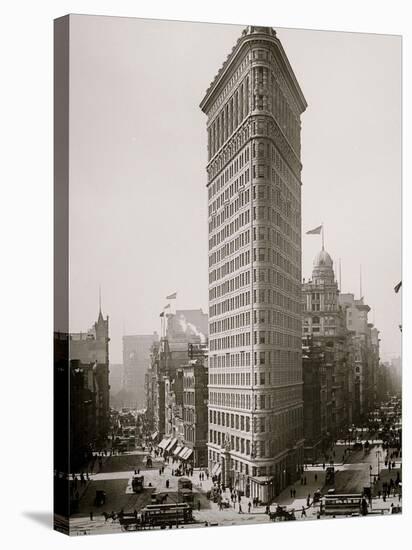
166, 514
341, 505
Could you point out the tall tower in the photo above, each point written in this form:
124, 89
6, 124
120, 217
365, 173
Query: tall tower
253, 107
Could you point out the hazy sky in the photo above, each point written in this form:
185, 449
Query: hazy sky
138, 200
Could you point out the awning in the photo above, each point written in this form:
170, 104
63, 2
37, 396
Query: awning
177, 450
171, 444
187, 454
163, 444
217, 468
182, 452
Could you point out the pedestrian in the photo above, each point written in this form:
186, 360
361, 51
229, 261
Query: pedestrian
294, 493
249, 506
291, 493
198, 505
308, 500
316, 477
303, 512
240, 508
91, 515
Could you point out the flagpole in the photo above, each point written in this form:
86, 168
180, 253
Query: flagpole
323, 237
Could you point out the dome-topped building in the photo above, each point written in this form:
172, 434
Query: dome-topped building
323, 268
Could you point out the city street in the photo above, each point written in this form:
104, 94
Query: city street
351, 476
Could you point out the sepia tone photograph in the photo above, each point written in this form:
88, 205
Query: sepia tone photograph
228, 275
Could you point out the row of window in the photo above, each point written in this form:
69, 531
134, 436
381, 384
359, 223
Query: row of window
264, 127
229, 118
276, 399
230, 285
276, 103
230, 304
231, 247
278, 358
261, 377
233, 226
260, 317
230, 323
271, 235
266, 337
232, 169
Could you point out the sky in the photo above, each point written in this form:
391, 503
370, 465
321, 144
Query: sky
138, 201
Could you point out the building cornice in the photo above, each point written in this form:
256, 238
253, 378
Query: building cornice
261, 34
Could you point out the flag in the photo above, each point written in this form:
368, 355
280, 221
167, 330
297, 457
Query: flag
397, 287
315, 231
172, 296
166, 307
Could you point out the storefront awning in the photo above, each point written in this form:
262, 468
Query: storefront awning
187, 454
171, 444
182, 452
177, 450
164, 443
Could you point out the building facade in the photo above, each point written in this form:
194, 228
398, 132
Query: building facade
136, 360
164, 378
195, 412
253, 109
89, 352
326, 335
365, 339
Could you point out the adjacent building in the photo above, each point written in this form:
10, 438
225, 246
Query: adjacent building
89, 364
327, 357
253, 107
195, 411
164, 378
136, 360
365, 341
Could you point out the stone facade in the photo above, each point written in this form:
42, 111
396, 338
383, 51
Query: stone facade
365, 338
254, 107
324, 330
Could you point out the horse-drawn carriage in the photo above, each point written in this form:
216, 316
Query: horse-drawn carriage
282, 514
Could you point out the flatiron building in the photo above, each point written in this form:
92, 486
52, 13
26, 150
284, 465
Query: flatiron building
253, 108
